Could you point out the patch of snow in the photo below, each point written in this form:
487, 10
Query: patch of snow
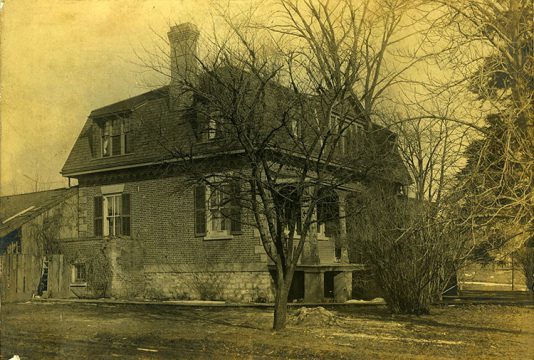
374, 301
199, 302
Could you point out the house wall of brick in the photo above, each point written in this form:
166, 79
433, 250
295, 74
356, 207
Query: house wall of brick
162, 258
163, 247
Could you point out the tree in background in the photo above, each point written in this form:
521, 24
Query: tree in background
494, 56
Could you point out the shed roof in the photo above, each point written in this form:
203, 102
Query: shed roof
16, 210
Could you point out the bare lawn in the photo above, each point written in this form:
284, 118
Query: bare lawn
97, 331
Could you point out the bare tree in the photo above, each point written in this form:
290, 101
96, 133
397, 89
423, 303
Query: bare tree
411, 243
431, 147
291, 102
284, 103
493, 58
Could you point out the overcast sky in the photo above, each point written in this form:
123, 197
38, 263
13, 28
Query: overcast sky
62, 58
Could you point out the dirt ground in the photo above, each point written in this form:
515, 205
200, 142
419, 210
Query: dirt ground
104, 331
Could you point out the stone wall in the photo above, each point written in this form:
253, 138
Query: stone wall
234, 286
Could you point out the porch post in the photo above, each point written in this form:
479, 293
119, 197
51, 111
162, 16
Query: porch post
342, 197
314, 287
310, 253
343, 286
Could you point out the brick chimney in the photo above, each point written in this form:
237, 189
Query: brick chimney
183, 42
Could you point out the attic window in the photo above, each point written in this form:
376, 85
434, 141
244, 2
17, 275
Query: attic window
349, 131
296, 128
214, 126
212, 129
116, 137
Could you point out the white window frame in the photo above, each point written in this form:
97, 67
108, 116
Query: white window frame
107, 136
296, 128
115, 199
212, 129
75, 278
217, 227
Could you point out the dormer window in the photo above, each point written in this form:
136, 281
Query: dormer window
296, 128
348, 129
212, 128
116, 137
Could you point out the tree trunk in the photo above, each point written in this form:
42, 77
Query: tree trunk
280, 302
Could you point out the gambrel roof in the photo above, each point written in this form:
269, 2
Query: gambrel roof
158, 130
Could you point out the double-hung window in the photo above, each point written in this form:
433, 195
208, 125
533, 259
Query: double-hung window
296, 128
217, 210
112, 215
327, 215
218, 214
116, 137
113, 211
214, 126
350, 132
291, 209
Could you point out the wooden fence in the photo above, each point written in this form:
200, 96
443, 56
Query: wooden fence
24, 276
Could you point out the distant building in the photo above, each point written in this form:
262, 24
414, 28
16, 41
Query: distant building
33, 228
30, 222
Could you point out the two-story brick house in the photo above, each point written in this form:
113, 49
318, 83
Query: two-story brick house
164, 237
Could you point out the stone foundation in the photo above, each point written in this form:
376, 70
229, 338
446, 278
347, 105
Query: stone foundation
234, 286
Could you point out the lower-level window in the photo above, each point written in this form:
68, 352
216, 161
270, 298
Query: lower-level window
219, 203
79, 273
217, 210
112, 212
112, 215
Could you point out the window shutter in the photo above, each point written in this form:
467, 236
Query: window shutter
125, 216
235, 216
128, 136
98, 219
200, 210
94, 139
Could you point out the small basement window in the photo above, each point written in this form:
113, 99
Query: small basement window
79, 273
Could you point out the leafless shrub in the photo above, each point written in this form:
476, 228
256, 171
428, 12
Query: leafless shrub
409, 247
525, 258
99, 275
